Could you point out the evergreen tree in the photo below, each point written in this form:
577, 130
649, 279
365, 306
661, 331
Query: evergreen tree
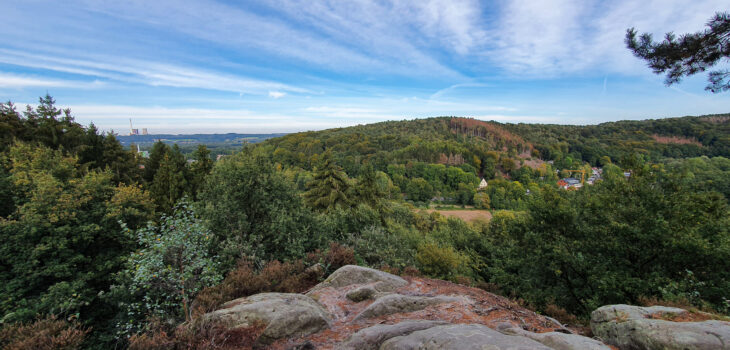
170, 183
328, 189
367, 188
159, 149
200, 168
692, 53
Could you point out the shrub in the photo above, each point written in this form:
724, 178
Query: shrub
437, 261
375, 246
198, 335
47, 333
481, 200
170, 269
560, 314
275, 276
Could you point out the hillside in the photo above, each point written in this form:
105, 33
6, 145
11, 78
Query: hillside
456, 141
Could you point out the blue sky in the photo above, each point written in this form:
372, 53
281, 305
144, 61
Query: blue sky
282, 66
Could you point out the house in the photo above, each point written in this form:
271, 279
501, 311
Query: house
569, 183
483, 184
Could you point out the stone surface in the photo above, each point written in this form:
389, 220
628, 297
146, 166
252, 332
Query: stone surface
362, 293
372, 337
351, 274
628, 328
461, 337
285, 315
556, 340
396, 303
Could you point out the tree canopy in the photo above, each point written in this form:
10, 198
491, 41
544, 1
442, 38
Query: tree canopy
689, 54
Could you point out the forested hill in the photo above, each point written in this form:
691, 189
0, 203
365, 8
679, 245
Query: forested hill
483, 145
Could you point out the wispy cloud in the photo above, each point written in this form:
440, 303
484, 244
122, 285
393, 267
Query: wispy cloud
142, 72
24, 81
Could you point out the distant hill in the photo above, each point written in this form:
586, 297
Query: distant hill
459, 141
208, 139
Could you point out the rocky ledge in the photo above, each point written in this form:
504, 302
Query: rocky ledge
358, 308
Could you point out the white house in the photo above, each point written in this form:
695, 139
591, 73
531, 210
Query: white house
483, 184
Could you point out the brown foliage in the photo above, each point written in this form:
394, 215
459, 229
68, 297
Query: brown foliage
339, 256
676, 140
47, 333
199, 335
560, 314
275, 276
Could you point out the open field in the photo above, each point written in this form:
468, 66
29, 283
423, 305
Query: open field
466, 215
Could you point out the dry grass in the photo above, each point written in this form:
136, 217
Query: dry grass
47, 333
466, 215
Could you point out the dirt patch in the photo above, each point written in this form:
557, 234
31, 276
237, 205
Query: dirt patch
466, 215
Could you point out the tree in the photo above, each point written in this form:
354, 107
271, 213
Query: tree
328, 189
158, 151
368, 190
173, 264
170, 183
419, 190
690, 54
63, 242
200, 168
254, 211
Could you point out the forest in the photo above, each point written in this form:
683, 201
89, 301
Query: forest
104, 248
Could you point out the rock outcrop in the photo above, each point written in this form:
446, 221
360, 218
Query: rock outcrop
358, 308
647, 328
372, 337
461, 337
556, 340
285, 315
397, 303
348, 275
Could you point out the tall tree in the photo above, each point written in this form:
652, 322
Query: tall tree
200, 168
170, 183
328, 189
63, 242
158, 151
254, 211
690, 54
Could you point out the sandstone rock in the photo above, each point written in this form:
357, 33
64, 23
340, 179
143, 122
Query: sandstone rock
370, 338
362, 293
556, 340
461, 337
627, 328
285, 315
631, 312
351, 274
396, 303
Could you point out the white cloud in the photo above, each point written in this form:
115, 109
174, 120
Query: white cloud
558, 37
143, 72
276, 94
24, 81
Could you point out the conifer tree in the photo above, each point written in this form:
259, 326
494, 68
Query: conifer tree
328, 189
170, 183
200, 168
158, 151
692, 53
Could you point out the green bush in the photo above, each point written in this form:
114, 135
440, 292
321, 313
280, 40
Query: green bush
439, 261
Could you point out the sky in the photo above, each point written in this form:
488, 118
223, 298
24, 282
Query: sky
260, 66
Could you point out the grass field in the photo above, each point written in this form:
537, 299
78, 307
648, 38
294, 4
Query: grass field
466, 215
